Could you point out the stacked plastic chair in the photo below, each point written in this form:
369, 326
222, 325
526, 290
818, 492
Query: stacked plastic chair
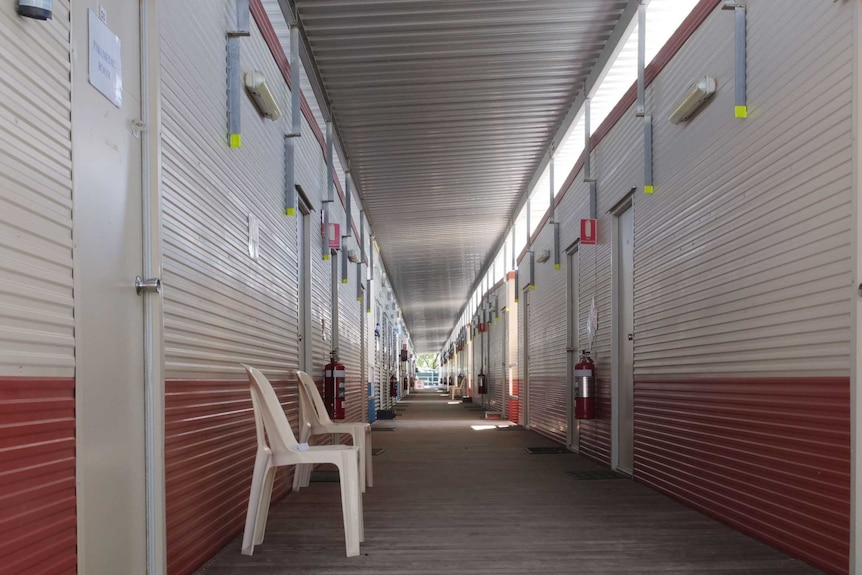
314, 420
282, 449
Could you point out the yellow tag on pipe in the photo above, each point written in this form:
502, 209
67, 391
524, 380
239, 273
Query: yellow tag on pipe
326, 257
235, 140
556, 266
649, 189
741, 111
290, 211
344, 281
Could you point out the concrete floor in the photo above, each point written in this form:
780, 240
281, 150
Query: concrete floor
448, 499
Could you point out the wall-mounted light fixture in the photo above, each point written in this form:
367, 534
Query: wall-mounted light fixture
255, 83
543, 256
36, 9
691, 101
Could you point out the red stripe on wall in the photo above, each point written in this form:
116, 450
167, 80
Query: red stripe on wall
768, 456
210, 445
38, 521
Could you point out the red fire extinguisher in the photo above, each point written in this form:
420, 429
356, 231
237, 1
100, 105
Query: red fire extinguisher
393, 386
480, 379
334, 389
585, 387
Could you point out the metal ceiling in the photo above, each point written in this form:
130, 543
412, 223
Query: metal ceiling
445, 109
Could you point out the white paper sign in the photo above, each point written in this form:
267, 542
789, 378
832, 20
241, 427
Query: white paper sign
106, 74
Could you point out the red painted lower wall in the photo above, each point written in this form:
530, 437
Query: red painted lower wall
210, 444
38, 522
515, 404
768, 456
595, 434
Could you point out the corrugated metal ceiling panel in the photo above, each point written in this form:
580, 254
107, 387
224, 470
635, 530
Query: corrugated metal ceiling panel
445, 109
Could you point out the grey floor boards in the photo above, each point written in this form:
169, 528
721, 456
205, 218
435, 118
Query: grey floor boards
449, 500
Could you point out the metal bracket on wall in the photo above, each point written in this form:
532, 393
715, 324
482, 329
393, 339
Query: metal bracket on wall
740, 100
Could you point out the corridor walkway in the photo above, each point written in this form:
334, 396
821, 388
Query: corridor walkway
449, 499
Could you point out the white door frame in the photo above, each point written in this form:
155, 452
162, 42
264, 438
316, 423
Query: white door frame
525, 392
856, 307
617, 211
572, 347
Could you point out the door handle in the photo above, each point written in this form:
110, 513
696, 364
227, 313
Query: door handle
151, 285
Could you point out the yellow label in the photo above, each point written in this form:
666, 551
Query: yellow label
741, 111
532, 287
235, 140
516, 300
649, 189
556, 266
344, 281
290, 211
326, 257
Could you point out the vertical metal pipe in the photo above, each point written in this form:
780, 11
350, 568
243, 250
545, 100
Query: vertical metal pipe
154, 392
741, 108
514, 256
334, 303
359, 283
641, 107
551, 189
648, 183
556, 245
369, 296
234, 92
587, 159
295, 125
344, 261
348, 205
295, 92
330, 190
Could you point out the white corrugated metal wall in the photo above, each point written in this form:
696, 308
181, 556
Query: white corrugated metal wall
742, 258
496, 372
547, 340
37, 340
36, 307
222, 307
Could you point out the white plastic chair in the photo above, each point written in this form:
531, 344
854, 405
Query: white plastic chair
283, 449
314, 420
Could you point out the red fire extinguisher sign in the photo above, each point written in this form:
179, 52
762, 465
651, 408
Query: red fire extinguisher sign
589, 233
